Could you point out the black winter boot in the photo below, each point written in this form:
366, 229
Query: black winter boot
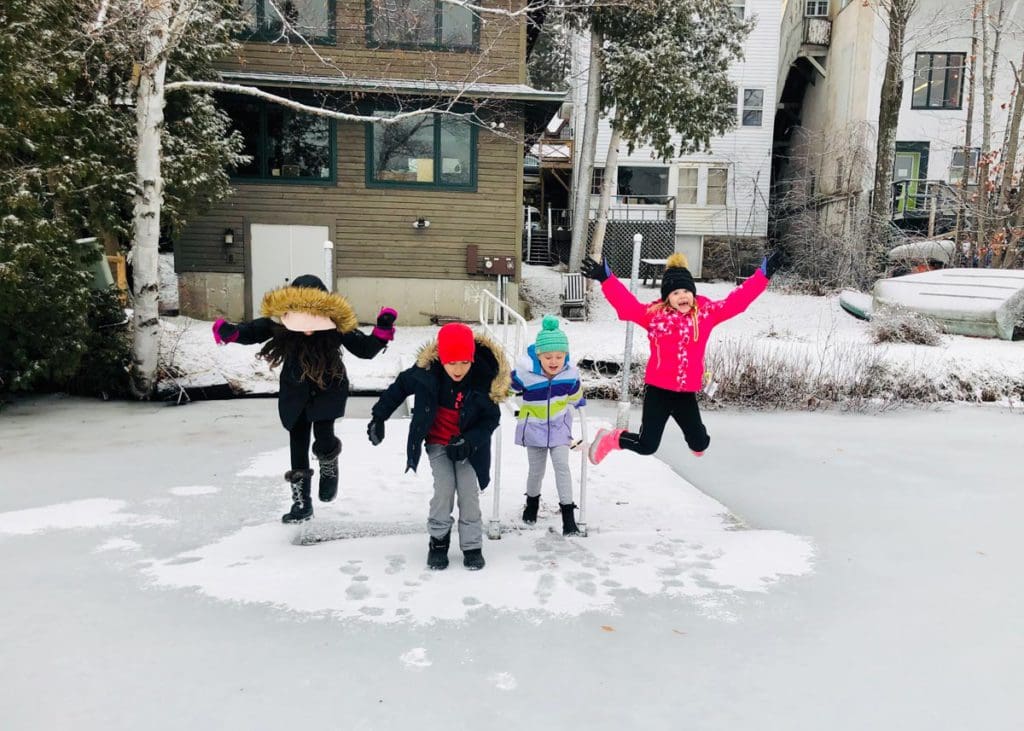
569, 527
473, 559
530, 511
302, 505
328, 460
437, 556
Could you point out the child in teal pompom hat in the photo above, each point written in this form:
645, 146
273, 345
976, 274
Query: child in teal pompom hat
549, 386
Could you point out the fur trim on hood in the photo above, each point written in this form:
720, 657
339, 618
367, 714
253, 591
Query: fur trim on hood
488, 355
278, 301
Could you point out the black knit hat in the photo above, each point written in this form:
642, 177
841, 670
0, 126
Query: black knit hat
676, 276
309, 280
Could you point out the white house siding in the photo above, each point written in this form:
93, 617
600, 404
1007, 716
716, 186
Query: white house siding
745, 151
846, 102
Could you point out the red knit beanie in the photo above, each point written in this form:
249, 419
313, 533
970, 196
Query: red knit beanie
455, 342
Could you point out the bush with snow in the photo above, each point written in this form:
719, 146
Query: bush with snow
901, 325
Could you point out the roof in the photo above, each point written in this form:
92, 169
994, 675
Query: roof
432, 87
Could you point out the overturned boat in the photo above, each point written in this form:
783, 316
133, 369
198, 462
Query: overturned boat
985, 303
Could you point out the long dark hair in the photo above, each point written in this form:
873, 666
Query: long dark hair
318, 355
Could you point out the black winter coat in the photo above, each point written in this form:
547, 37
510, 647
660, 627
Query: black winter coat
298, 396
489, 381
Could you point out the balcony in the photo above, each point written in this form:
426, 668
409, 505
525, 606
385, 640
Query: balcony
817, 32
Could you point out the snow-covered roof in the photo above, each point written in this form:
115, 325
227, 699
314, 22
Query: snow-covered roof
519, 92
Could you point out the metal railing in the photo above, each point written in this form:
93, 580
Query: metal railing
639, 208
920, 198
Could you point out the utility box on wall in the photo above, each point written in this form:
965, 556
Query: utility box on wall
491, 264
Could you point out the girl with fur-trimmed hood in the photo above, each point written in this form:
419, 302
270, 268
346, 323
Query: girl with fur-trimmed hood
304, 327
678, 326
458, 382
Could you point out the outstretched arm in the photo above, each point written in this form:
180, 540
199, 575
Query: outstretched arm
244, 333
739, 299
627, 307
362, 345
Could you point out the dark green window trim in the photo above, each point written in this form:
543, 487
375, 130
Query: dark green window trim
263, 35
265, 178
437, 45
470, 187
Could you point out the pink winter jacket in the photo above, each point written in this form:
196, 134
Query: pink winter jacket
678, 340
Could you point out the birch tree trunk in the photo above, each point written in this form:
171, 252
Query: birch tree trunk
588, 148
611, 167
149, 116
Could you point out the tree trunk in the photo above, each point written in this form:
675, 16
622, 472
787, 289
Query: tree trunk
888, 118
611, 167
149, 115
961, 214
587, 148
1009, 157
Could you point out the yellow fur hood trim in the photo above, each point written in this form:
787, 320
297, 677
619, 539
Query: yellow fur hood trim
502, 380
677, 261
278, 301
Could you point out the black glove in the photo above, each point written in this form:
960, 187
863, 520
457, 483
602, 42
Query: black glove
770, 264
458, 449
375, 430
592, 270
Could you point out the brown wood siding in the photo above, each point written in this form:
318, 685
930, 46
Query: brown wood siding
500, 60
373, 232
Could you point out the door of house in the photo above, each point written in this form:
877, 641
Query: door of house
279, 253
907, 167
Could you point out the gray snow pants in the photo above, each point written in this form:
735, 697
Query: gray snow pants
451, 479
538, 457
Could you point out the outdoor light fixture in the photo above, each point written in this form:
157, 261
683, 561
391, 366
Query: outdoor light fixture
421, 223
229, 236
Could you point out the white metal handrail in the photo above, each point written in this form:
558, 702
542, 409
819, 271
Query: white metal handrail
495, 316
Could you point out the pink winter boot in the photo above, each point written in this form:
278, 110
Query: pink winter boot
605, 441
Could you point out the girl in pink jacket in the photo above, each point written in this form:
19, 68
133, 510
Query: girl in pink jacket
678, 326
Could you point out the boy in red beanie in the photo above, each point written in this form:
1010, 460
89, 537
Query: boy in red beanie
457, 382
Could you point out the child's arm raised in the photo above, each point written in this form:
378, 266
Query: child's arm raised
739, 299
362, 345
244, 333
627, 307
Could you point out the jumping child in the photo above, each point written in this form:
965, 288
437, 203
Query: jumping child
678, 326
304, 327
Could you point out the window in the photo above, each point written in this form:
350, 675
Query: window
312, 19
956, 166
733, 108
753, 107
429, 150
938, 81
718, 180
643, 185
686, 193
816, 9
284, 145
421, 24
597, 181
739, 8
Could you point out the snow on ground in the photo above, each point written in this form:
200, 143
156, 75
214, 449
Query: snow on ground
796, 328
651, 533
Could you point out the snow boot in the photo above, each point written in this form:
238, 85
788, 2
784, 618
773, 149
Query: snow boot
605, 442
302, 505
328, 460
530, 511
437, 556
569, 527
473, 559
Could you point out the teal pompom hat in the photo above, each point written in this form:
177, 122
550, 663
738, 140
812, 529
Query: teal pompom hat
550, 338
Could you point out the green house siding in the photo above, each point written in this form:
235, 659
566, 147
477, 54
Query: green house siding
373, 232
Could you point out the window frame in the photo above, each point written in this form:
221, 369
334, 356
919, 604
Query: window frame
667, 169
707, 186
262, 158
437, 45
945, 81
474, 155
971, 165
597, 180
695, 188
262, 35
812, 8
739, 8
744, 109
